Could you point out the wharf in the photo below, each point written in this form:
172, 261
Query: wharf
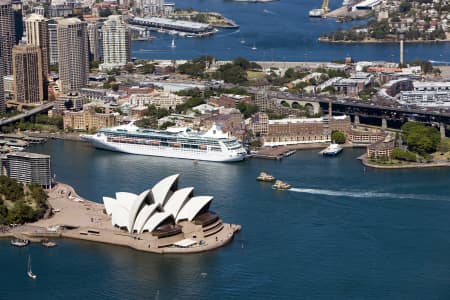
279, 152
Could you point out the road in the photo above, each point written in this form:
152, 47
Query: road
26, 114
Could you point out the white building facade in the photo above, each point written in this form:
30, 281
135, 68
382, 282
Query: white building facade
116, 42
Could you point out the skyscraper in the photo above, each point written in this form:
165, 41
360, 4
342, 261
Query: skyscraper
73, 54
37, 35
116, 42
28, 75
94, 38
53, 40
7, 36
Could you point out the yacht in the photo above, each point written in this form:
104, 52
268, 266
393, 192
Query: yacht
316, 13
254, 47
332, 150
173, 44
29, 271
212, 145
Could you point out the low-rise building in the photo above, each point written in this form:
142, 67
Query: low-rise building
73, 101
381, 149
428, 94
293, 131
27, 167
158, 98
90, 118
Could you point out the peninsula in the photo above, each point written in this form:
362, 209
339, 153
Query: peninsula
195, 230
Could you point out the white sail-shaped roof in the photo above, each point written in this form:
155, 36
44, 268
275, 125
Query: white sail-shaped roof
120, 216
177, 200
155, 220
109, 205
149, 209
192, 207
143, 216
126, 199
162, 188
135, 209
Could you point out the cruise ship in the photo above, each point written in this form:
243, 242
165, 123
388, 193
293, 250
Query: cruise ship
213, 145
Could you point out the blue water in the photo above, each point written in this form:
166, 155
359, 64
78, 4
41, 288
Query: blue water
281, 31
342, 233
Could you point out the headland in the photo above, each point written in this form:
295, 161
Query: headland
78, 218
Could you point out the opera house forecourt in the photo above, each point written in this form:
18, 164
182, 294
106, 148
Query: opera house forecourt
163, 219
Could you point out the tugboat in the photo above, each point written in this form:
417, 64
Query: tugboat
280, 185
265, 177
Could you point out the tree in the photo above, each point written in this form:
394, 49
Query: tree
338, 137
420, 138
400, 154
148, 69
247, 109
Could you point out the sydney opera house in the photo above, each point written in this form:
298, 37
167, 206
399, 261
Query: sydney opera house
165, 212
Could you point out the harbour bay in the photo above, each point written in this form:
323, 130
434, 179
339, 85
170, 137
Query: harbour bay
343, 232
281, 31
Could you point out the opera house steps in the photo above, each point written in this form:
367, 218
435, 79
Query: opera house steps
214, 230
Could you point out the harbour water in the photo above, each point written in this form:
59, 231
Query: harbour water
280, 31
343, 232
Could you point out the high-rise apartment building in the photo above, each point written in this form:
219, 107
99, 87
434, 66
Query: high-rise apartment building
28, 75
7, 36
37, 35
116, 42
73, 54
94, 40
27, 167
53, 40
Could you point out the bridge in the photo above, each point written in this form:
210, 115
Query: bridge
311, 106
26, 114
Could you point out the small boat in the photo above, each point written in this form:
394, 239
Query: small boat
173, 44
48, 244
29, 271
254, 47
316, 13
20, 243
280, 185
289, 153
332, 150
265, 177
242, 41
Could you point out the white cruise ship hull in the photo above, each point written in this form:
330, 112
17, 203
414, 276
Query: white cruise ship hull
163, 151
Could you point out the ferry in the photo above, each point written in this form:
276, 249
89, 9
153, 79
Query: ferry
332, 150
280, 185
213, 145
265, 177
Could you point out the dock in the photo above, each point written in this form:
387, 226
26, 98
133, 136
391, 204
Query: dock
277, 153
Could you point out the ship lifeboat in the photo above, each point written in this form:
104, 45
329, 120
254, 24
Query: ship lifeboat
202, 147
155, 143
176, 145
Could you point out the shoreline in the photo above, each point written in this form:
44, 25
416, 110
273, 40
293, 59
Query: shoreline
366, 163
326, 40
81, 219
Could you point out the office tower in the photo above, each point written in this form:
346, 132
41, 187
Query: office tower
2, 92
37, 35
28, 75
116, 41
73, 54
53, 40
94, 38
16, 6
7, 36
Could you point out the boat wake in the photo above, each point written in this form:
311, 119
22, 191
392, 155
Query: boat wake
369, 194
269, 12
229, 33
